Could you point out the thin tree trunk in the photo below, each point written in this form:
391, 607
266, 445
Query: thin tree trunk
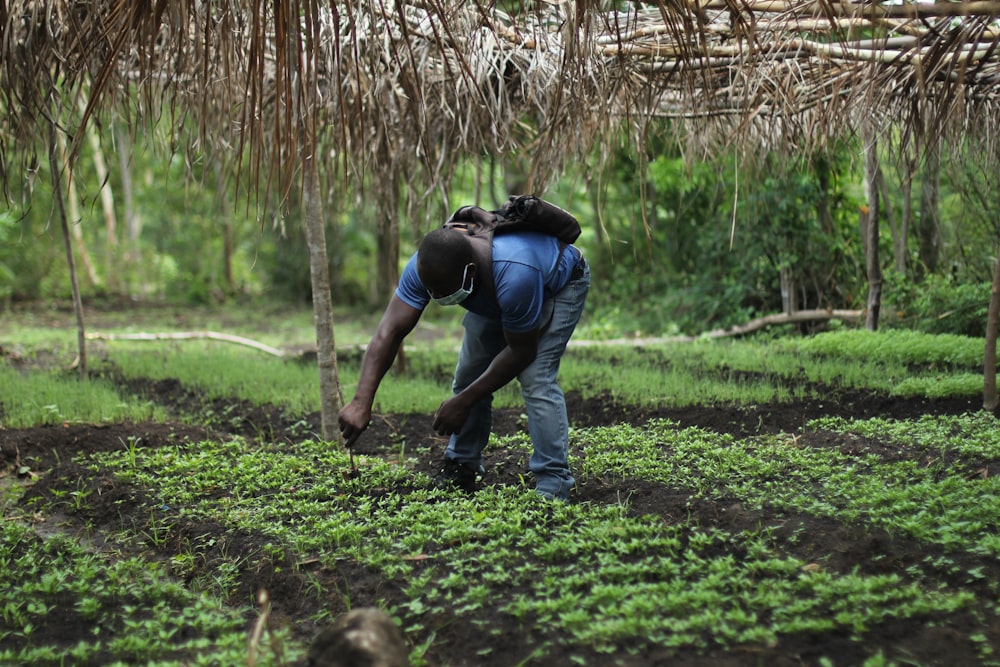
929, 227
789, 300
869, 225
331, 399
387, 233
74, 216
88, 264
57, 194
990, 400
226, 221
133, 222
898, 242
108, 204
301, 93
906, 221
821, 168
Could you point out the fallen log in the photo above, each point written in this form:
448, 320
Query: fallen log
738, 330
798, 316
195, 335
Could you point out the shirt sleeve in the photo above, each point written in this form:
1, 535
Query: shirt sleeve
410, 290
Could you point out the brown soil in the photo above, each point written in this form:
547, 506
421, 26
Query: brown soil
926, 641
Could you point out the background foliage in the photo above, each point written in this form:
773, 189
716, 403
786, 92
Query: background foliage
677, 245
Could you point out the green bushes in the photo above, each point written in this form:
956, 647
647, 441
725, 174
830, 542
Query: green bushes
937, 305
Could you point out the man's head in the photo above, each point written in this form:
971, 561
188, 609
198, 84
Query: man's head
446, 264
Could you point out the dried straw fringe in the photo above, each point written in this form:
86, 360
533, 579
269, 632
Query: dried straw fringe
405, 89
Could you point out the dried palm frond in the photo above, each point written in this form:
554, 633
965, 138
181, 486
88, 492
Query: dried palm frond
410, 90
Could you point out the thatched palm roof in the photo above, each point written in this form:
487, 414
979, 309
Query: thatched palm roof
400, 88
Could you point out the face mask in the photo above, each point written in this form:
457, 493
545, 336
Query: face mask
458, 296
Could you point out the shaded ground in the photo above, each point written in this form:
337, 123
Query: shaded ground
48, 452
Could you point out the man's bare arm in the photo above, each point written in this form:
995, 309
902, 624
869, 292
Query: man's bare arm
397, 321
520, 352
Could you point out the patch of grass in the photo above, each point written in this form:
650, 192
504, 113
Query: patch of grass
677, 374
673, 374
271, 323
227, 371
896, 346
940, 386
48, 398
224, 371
752, 372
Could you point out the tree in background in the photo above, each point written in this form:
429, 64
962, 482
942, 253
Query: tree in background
713, 244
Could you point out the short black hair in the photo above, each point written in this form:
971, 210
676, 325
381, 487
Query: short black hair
444, 248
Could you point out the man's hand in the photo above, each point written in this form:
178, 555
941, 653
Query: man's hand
354, 419
451, 416
518, 355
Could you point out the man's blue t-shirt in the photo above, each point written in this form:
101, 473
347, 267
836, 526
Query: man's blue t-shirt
527, 267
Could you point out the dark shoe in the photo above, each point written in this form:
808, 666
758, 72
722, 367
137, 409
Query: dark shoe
455, 475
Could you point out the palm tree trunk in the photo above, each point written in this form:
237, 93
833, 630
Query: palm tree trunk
929, 222
990, 400
896, 230
387, 235
906, 223
869, 224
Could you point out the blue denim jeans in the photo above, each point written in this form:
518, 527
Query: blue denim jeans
544, 401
